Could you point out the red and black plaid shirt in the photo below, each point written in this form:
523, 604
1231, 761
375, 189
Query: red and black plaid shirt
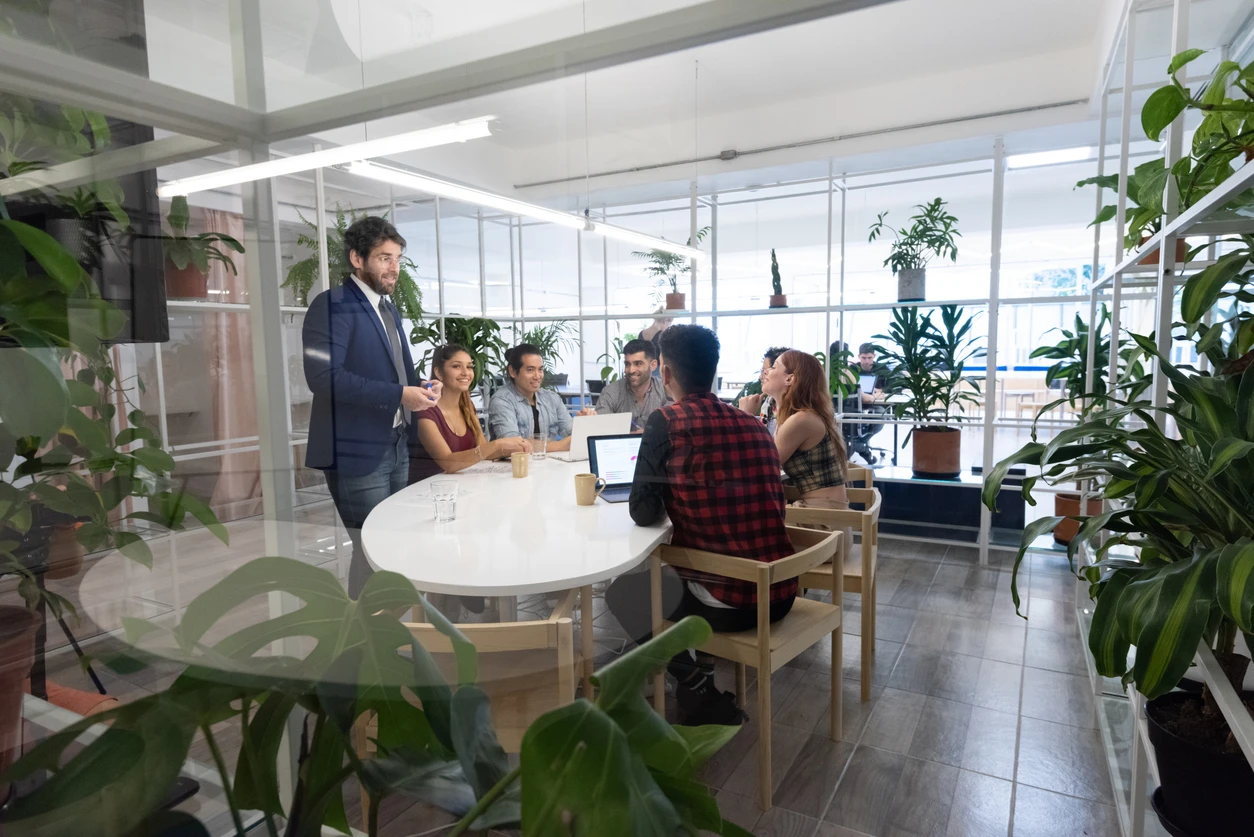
715, 470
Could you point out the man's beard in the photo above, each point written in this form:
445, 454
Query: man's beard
374, 281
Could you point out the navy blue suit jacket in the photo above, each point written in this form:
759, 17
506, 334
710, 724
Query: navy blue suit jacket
349, 368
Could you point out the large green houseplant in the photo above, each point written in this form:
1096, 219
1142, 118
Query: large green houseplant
190, 255
926, 362
302, 276
933, 233
599, 767
552, 340
1182, 505
666, 268
480, 336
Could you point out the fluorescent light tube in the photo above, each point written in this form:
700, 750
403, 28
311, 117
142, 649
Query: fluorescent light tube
465, 194
650, 241
491, 200
1049, 158
412, 141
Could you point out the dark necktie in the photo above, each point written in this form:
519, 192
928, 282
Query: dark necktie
398, 357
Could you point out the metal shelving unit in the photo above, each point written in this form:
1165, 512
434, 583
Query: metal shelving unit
1121, 712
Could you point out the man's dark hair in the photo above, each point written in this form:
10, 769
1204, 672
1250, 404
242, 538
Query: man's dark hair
773, 353
866, 349
691, 352
635, 347
367, 233
515, 355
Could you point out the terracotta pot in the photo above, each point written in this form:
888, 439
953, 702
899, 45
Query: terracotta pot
937, 452
676, 302
65, 553
17, 655
779, 301
1067, 505
1182, 252
188, 283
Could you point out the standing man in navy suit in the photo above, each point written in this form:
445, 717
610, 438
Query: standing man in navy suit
363, 382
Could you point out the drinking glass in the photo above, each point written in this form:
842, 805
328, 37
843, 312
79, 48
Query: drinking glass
444, 495
539, 446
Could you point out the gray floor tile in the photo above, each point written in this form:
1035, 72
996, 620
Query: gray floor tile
990, 743
742, 810
915, 670
864, 799
1057, 586
957, 676
1064, 759
886, 654
808, 785
909, 594
941, 734
786, 742
1051, 615
1005, 642
1040, 813
997, 686
1061, 698
809, 701
893, 721
854, 712
921, 804
1055, 651
892, 623
981, 807
780, 822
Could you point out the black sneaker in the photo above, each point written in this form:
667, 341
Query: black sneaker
702, 703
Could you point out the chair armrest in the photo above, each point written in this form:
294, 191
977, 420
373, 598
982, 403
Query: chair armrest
833, 518
744, 569
819, 547
869, 497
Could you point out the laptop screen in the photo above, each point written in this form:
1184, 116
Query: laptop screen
614, 457
867, 383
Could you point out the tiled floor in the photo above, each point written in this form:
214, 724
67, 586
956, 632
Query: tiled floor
979, 724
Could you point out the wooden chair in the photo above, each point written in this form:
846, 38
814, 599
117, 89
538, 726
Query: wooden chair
526, 669
768, 647
864, 474
859, 575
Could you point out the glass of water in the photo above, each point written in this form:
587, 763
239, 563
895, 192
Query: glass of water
444, 495
539, 446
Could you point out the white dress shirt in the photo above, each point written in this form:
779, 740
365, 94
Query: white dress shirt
374, 298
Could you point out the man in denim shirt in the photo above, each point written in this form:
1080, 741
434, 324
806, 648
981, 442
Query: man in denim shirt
522, 408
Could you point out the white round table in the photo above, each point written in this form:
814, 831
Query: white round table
511, 537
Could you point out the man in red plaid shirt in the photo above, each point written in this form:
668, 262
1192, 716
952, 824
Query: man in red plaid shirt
715, 471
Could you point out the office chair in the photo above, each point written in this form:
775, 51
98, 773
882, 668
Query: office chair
858, 436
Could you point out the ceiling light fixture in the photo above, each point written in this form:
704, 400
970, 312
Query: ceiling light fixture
1049, 158
512, 206
412, 141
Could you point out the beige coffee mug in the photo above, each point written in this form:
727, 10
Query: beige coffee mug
520, 462
588, 488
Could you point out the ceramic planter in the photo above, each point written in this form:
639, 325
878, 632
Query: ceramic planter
676, 302
1182, 253
937, 452
187, 283
912, 284
1067, 504
779, 301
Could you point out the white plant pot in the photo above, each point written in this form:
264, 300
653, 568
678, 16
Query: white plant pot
912, 284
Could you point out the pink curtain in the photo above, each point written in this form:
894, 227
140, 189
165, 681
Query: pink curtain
230, 376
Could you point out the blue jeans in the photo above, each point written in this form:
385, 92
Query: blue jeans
356, 497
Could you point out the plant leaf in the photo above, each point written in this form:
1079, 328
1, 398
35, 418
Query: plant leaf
1107, 640
36, 374
1234, 583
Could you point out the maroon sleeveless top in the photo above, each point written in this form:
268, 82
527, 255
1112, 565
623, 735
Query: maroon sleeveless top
421, 465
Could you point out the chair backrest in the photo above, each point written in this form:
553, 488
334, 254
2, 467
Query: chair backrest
866, 521
859, 473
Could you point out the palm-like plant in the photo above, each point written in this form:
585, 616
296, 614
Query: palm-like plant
927, 361
302, 276
932, 232
1072, 354
667, 267
480, 336
552, 340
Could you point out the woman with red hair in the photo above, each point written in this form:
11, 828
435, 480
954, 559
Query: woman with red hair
810, 447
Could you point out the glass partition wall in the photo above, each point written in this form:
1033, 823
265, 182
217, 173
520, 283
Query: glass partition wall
592, 294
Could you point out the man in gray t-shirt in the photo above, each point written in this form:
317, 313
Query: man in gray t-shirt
637, 392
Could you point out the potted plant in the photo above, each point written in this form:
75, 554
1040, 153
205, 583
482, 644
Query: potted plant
932, 232
613, 360
1146, 185
841, 379
926, 365
188, 256
1071, 371
666, 268
70, 453
778, 299
359, 658
303, 275
1184, 505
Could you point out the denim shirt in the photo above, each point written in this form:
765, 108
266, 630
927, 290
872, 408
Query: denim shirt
509, 414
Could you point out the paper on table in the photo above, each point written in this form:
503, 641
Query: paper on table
488, 468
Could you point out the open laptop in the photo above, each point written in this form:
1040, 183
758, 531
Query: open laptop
613, 458
866, 382
610, 424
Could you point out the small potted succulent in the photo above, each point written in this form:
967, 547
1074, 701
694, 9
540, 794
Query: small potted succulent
932, 232
778, 299
188, 256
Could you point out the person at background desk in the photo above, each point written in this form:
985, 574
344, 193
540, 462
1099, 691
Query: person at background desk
365, 392
450, 436
715, 471
522, 409
866, 365
637, 392
653, 333
755, 401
